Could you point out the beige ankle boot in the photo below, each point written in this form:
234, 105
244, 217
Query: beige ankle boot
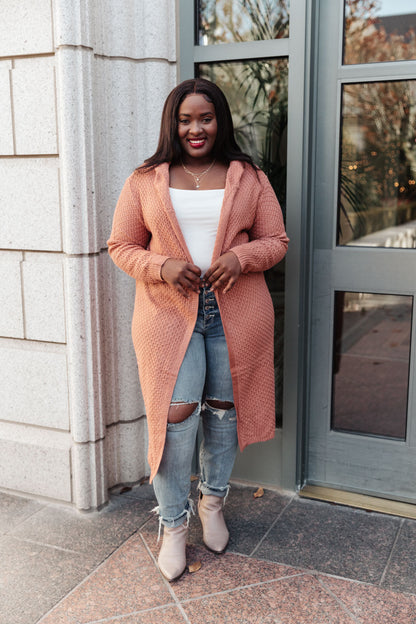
172, 556
215, 530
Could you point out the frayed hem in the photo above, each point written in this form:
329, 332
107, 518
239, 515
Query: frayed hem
174, 522
208, 490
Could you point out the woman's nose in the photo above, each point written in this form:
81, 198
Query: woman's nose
195, 127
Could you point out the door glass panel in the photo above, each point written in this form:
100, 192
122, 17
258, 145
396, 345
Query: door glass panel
227, 21
377, 178
379, 31
257, 94
371, 359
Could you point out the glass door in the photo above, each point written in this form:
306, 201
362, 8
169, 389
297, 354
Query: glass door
254, 50
362, 394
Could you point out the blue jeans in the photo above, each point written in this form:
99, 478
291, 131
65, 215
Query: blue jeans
204, 375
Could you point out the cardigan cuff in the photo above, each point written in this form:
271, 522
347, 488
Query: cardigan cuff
243, 254
155, 267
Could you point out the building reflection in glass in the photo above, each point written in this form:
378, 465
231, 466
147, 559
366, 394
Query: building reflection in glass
377, 31
377, 176
371, 361
257, 91
233, 21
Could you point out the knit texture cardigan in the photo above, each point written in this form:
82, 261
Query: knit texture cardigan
145, 233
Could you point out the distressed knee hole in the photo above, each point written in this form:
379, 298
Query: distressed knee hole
178, 412
222, 405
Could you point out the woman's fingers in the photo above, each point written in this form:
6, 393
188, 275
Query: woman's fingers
217, 278
230, 284
184, 276
189, 280
224, 272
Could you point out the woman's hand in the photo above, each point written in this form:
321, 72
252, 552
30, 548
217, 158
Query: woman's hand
224, 272
182, 275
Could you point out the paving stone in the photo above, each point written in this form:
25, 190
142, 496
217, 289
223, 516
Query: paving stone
373, 605
60, 566
401, 572
35, 577
126, 583
98, 533
14, 510
248, 518
297, 600
332, 539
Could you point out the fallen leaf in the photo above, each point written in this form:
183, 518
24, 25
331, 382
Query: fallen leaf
194, 478
194, 567
259, 493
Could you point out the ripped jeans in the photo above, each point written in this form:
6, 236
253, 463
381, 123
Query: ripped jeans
204, 375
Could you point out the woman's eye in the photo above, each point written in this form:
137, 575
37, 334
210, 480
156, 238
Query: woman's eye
183, 121
207, 119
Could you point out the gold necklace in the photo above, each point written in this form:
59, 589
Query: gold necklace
197, 176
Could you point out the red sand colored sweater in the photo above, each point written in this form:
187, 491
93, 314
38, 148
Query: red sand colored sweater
146, 233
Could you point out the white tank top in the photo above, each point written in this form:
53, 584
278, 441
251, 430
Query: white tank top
198, 214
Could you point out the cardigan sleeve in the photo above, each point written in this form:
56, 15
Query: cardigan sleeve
129, 239
268, 240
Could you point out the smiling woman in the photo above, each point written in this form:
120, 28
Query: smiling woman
196, 226
197, 133
197, 128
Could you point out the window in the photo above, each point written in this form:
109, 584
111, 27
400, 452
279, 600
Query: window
377, 177
379, 31
226, 21
371, 362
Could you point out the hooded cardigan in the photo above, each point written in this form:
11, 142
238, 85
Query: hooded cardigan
145, 234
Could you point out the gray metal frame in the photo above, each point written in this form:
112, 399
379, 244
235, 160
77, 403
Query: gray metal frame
341, 460
289, 443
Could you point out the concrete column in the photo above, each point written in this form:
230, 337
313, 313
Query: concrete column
116, 64
35, 438
82, 87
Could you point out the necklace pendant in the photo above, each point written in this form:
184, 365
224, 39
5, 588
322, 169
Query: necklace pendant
197, 176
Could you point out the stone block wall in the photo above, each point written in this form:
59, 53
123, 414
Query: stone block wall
82, 85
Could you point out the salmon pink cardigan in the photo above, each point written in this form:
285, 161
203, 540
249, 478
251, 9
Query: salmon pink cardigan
145, 233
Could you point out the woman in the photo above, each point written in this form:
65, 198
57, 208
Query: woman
196, 225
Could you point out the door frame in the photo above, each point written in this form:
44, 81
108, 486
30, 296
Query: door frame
339, 267
281, 463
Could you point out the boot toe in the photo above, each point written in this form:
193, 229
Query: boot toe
172, 572
215, 544
172, 556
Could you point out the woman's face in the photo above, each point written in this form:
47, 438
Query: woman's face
197, 127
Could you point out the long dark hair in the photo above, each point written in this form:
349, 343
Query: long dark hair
225, 147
